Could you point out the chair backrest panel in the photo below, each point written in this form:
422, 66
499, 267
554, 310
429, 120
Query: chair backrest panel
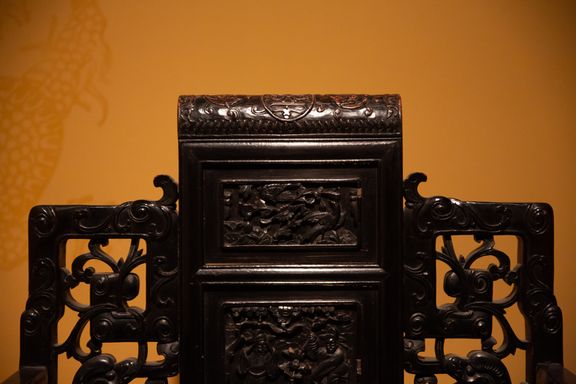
109, 315
474, 309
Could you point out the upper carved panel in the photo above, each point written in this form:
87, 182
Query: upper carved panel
291, 214
315, 115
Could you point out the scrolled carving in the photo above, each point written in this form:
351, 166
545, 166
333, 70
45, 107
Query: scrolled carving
30, 322
470, 283
142, 216
164, 329
41, 306
411, 193
151, 218
109, 314
161, 290
112, 319
439, 211
103, 369
289, 114
422, 289
417, 323
552, 319
43, 221
168, 367
541, 304
538, 218
169, 191
477, 367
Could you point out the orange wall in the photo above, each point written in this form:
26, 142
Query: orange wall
88, 93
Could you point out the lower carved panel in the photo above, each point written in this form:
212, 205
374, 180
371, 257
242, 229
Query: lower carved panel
322, 332
299, 343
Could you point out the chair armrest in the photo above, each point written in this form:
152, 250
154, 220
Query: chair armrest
29, 375
554, 374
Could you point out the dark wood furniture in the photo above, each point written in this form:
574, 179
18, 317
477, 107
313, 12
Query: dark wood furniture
290, 260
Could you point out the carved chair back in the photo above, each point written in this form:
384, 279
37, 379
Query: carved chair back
321, 176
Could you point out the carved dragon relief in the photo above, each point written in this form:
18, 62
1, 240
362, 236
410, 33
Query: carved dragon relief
300, 343
291, 214
270, 114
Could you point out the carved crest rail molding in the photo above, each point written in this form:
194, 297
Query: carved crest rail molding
291, 260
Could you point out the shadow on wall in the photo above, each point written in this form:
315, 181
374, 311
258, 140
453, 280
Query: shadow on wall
36, 101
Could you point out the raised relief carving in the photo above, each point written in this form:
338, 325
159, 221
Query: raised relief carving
288, 107
284, 114
470, 280
290, 344
109, 315
291, 214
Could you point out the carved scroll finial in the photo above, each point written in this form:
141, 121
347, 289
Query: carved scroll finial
411, 194
169, 190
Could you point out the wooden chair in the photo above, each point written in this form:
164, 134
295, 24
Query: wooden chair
290, 260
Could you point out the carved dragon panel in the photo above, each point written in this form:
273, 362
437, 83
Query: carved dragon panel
291, 214
300, 343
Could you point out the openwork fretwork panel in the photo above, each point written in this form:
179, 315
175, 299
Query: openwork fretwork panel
109, 317
474, 310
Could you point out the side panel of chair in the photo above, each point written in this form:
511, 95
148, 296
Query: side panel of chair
109, 316
474, 309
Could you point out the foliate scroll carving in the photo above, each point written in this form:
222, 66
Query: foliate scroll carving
289, 114
476, 367
436, 213
109, 315
112, 319
152, 218
291, 214
43, 221
539, 218
291, 343
474, 309
41, 307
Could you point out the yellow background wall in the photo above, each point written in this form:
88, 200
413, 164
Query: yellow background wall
88, 93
